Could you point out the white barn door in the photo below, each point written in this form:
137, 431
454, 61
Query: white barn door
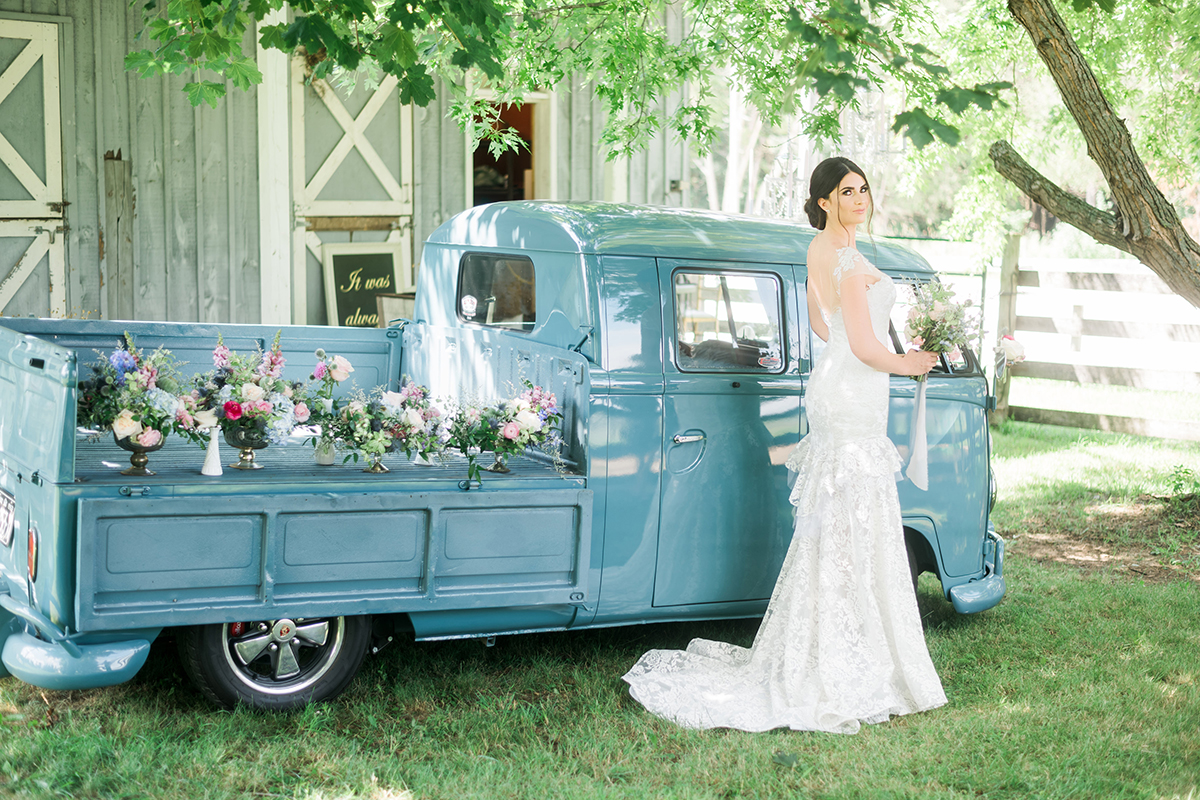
32, 231
352, 174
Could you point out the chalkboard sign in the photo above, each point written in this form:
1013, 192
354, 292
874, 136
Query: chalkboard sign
354, 275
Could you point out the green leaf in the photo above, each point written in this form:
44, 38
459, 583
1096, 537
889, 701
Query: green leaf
416, 87
921, 129
243, 73
142, 61
785, 759
399, 43
273, 36
204, 92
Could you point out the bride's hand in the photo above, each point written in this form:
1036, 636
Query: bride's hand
918, 362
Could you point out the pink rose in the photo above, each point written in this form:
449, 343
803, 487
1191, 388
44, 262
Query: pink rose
184, 417
956, 355
233, 410
321, 370
918, 341
262, 406
301, 412
341, 369
511, 431
149, 437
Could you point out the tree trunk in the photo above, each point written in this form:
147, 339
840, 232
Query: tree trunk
1146, 224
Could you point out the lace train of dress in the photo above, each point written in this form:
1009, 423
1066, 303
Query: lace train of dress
841, 642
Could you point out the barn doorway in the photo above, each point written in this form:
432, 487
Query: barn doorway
511, 176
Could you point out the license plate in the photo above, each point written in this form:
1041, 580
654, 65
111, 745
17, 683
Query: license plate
8, 512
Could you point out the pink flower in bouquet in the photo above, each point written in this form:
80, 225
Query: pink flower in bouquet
262, 406
184, 417
321, 370
938, 310
233, 410
511, 430
432, 412
149, 437
955, 355
918, 342
301, 412
272, 364
341, 369
220, 356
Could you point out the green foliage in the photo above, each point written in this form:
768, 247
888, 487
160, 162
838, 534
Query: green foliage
641, 55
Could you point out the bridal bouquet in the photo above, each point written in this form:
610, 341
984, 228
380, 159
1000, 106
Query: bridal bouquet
507, 427
937, 324
136, 395
248, 393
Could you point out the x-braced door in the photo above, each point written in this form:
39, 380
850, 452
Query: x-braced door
32, 230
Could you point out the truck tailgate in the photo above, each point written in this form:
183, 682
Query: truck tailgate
176, 560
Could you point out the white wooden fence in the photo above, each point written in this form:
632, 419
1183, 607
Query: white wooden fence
1102, 321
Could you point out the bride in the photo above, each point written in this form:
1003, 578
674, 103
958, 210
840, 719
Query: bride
841, 643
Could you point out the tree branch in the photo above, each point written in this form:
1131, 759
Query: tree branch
1150, 226
1100, 225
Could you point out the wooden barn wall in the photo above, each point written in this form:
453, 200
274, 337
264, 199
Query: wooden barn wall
439, 169
194, 238
193, 247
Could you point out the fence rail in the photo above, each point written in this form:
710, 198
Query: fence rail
1110, 322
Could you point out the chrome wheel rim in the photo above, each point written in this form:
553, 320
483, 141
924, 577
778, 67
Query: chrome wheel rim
284, 656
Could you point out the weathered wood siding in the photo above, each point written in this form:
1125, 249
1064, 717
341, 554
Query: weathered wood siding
183, 205
194, 235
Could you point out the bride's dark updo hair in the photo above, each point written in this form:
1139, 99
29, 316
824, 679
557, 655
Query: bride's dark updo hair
825, 179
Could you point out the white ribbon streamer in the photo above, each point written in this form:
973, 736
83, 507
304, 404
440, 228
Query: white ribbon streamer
918, 444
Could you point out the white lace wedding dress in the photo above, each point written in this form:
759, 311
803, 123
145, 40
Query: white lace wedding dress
841, 643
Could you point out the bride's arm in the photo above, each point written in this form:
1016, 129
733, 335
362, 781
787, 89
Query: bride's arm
815, 319
866, 348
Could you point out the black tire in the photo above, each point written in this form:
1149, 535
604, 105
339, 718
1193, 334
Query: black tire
277, 664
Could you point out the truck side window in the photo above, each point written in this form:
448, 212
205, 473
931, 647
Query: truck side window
727, 322
497, 289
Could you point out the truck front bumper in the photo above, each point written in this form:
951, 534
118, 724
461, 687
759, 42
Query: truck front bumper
58, 661
982, 594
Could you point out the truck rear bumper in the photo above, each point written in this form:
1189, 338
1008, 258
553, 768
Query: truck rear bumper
982, 594
50, 666
59, 661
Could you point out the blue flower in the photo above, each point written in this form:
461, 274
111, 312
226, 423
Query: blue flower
122, 361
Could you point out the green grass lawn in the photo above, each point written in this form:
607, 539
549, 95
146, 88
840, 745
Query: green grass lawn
1080, 684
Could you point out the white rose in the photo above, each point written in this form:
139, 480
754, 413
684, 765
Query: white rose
413, 418
125, 425
392, 401
528, 420
206, 418
252, 391
1014, 351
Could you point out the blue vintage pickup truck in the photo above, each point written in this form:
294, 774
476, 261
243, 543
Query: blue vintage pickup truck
678, 345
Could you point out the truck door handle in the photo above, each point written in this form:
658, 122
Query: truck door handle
679, 438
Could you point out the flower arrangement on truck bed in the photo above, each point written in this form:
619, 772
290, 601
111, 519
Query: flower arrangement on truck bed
246, 396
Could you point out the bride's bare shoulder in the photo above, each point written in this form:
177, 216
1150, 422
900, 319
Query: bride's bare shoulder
821, 254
